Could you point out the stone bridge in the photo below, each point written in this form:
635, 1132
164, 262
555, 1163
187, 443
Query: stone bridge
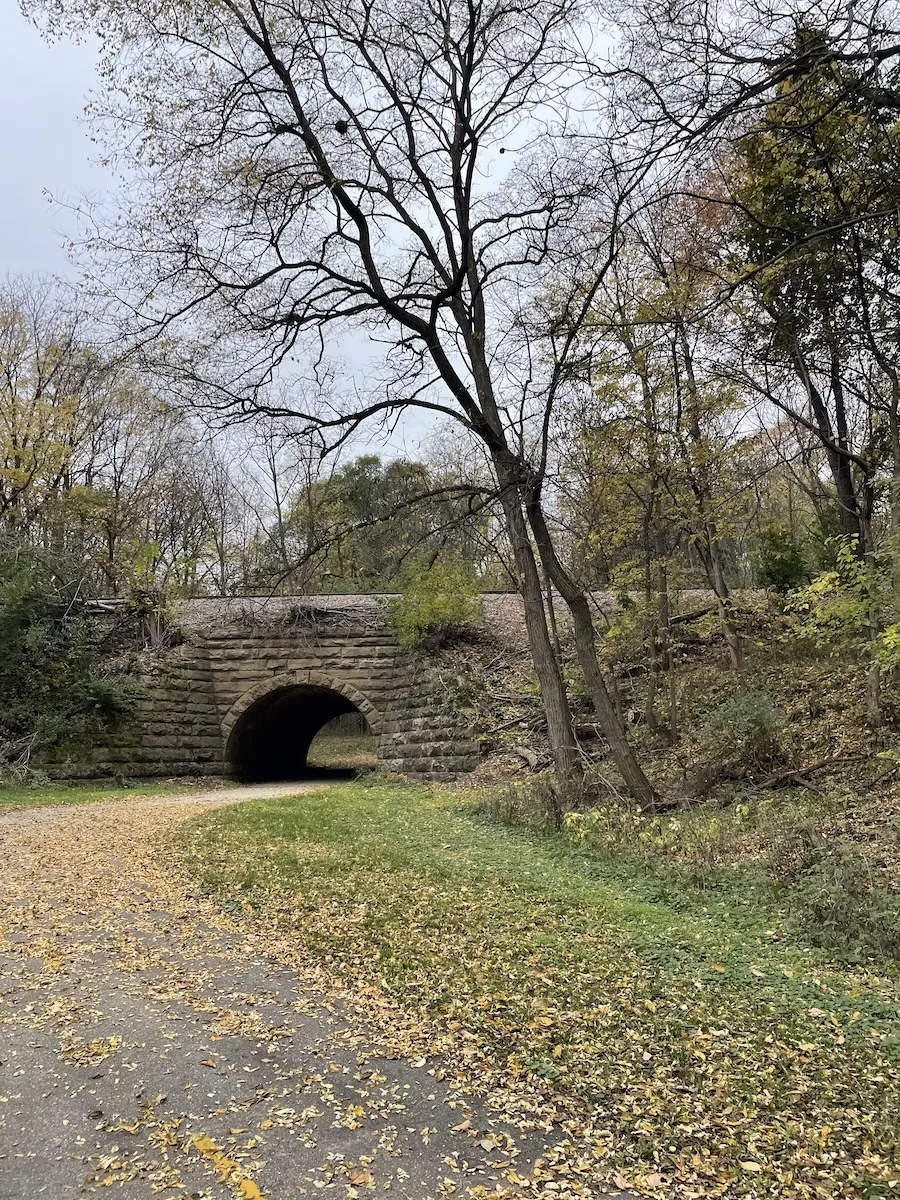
254, 680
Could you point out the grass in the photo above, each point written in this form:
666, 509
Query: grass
356, 752
14, 799
693, 1044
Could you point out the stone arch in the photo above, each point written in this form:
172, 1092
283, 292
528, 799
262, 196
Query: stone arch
268, 730
288, 679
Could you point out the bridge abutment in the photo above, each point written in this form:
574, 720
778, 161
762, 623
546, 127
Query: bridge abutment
306, 665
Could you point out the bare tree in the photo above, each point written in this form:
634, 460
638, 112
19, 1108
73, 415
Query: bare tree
432, 172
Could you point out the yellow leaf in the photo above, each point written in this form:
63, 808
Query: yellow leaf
249, 1191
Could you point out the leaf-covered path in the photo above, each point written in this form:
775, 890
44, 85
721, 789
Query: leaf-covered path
148, 1046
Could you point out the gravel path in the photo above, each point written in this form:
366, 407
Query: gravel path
148, 1046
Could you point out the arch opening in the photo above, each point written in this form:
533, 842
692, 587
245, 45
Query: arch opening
271, 739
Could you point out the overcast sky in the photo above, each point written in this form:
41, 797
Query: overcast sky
46, 149
43, 145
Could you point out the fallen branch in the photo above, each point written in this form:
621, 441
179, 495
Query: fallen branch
798, 774
683, 618
535, 761
509, 724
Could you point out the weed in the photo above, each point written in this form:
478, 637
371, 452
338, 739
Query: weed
836, 893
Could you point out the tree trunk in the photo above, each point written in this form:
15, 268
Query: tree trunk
639, 787
557, 711
894, 422
873, 676
653, 639
664, 634
712, 561
838, 462
699, 481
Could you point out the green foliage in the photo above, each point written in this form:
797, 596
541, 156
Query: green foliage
358, 530
52, 689
743, 728
835, 606
627, 626
824, 151
887, 649
438, 600
836, 893
839, 608
779, 561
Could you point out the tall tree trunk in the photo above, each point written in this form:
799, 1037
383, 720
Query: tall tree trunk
653, 664
873, 676
652, 631
637, 783
838, 463
557, 711
511, 476
699, 481
712, 562
894, 504
664, 632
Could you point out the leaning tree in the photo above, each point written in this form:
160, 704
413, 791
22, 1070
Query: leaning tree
436, 174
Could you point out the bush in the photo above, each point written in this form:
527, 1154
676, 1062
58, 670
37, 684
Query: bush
744, 728
779, 561
531, 805
835, 892
52, 687
437, 602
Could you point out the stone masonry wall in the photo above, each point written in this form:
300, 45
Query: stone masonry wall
195, 695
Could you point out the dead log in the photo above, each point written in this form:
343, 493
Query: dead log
799, 774
536, 762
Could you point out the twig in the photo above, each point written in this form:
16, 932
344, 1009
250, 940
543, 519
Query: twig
507, 724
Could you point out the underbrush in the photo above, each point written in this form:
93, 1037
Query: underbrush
792, 842
837, 891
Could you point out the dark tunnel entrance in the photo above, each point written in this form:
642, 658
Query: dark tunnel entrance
271, 740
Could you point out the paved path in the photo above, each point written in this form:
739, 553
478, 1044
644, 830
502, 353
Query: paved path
147, 1047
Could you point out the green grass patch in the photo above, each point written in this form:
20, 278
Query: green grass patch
344, 752
15, 799
705, 1046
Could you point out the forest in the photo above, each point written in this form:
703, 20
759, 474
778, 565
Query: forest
698, 392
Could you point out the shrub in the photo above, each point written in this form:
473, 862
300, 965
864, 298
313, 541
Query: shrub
779, 560
744, 728
835, 892
52, 687
436, 602
530, 805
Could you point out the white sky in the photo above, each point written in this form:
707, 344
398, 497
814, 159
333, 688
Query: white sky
49, 161
44, 147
